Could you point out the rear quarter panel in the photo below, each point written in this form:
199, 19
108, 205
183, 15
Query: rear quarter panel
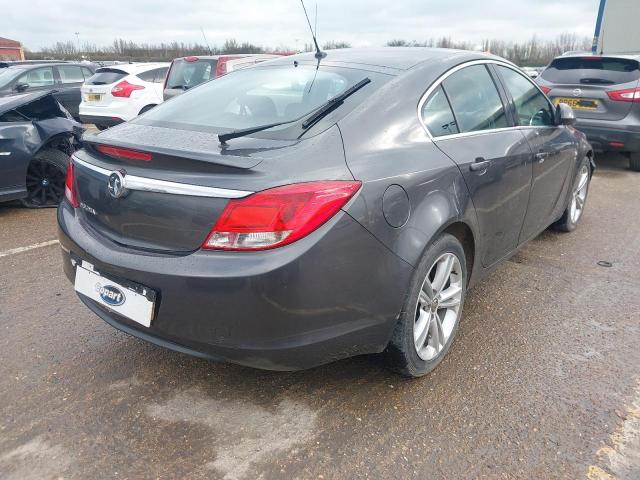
385, 144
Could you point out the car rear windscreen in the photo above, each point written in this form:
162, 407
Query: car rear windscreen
252, 97
106, 76
592, 71
185, 74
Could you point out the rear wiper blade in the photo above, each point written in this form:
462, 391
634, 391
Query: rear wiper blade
311, 118
223, 137
334, 103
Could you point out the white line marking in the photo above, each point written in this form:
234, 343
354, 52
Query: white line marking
13, 251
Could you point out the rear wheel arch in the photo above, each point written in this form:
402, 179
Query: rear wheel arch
464, 234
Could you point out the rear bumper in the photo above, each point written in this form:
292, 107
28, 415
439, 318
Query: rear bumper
107, 121
334, 294
614, 137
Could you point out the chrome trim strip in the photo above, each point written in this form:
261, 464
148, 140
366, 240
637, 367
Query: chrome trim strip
134, 182
443, 77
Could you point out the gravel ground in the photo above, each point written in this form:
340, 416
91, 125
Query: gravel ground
543, 380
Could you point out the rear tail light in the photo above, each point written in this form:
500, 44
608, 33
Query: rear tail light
124, 89
278, 216
70, 191
124, 153
628, 95
546, 90
221, 66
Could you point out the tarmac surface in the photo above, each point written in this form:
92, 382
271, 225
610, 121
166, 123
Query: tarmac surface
543, 379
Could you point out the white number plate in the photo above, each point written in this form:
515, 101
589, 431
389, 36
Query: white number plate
114, 296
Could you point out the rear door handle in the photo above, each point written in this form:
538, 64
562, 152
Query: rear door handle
479, 165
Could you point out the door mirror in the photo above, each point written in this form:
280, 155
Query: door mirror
565, 115
21, 87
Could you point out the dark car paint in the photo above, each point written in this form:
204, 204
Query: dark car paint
279, 311
68, 94
346, 281
23, 139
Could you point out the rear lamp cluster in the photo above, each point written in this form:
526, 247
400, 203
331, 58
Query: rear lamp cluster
70, 191
267, 219
278, 216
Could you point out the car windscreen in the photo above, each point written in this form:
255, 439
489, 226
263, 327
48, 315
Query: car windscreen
186, 73
106, 76
592, 70
259, 96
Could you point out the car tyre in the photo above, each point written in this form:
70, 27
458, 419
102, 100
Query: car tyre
573, 213
46, 178
634, 161
428, 322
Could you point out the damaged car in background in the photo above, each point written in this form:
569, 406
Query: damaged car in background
37, 136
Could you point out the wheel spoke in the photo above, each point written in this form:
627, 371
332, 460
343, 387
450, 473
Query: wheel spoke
584, 178
437, 334
450, 297
443, 271
579, 202
423, 298
421, 329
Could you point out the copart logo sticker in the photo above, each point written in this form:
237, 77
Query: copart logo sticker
110, 295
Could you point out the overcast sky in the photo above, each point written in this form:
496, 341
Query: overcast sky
274, 23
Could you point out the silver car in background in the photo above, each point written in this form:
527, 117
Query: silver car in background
604, 92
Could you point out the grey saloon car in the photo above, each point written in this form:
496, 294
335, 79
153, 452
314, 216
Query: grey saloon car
604, 92
306, 210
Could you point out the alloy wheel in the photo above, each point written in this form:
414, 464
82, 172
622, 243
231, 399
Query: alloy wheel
579, 195
438, 307
45, 183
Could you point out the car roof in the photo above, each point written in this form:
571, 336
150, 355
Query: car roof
604, 55
26, 66
396, 58
133, 68
235, 55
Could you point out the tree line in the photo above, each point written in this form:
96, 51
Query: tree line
533, 52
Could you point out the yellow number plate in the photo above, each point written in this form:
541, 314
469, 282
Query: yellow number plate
92, 97
578, 103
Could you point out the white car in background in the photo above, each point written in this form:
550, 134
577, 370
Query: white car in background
119, 93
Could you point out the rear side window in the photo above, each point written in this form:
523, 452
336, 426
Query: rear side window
437, 115
532, 108
475, 100
592, 70
187, 74
106, 76
70, 74
154, 76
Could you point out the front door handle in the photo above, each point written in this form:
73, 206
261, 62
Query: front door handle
479, 165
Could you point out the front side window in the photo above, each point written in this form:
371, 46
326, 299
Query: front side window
70, 74
437, 115
532, 107
38, 77
475, 100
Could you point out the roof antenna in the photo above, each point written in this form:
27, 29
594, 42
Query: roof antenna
205, 41
319, 53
